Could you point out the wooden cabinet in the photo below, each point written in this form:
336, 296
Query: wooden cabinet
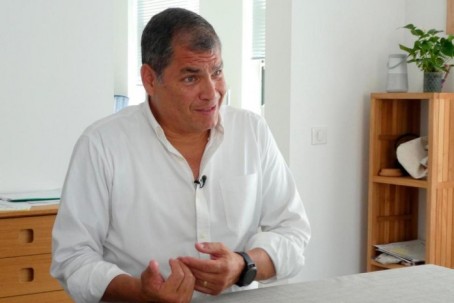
403, 208
25, 257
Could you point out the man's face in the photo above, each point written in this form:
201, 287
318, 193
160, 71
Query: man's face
187, 97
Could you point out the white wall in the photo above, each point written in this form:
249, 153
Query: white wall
338, 52
332, 89
56, 78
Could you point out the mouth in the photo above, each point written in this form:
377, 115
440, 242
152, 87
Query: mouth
207, 110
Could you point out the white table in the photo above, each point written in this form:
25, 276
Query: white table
416, 284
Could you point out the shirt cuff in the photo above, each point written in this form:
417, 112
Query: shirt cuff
287, 257
92, 289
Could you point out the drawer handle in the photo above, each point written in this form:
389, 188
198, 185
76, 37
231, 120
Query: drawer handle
26, 275
26, 235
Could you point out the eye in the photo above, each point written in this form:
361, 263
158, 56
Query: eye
217, 73
189, 79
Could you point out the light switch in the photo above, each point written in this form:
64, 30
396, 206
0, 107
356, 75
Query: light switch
319, 135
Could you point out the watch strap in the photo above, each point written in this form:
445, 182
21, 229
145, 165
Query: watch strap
249, 271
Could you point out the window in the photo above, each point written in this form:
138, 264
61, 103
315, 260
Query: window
258, 29
142, 11
254, 90
259, 42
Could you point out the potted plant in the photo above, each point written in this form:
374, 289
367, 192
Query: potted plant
431, 53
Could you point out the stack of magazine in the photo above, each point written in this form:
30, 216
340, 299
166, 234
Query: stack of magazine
407, 252
25, 200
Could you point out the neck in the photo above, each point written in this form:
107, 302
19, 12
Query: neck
191, 147
187, 139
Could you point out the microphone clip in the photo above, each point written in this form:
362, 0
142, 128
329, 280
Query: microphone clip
201, 181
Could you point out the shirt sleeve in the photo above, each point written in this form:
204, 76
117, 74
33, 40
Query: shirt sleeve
81, 225
285, 228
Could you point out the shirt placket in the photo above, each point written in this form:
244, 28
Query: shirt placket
202, 217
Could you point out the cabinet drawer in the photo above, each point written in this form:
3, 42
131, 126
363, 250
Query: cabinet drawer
26, 275
45, 297
26, 235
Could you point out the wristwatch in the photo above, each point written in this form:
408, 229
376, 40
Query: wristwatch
249, 271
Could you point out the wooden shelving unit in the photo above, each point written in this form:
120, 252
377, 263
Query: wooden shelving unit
394, 202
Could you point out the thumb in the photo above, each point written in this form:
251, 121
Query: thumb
153, 267
210, 248
152, 273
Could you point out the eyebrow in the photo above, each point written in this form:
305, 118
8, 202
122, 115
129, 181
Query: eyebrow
194, 70
190, 70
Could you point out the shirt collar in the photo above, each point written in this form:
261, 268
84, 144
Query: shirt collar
219, 128
151, 119
216, 134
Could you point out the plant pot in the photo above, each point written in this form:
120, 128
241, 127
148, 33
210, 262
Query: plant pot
433, 82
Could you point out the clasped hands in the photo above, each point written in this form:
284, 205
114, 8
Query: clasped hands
209, 276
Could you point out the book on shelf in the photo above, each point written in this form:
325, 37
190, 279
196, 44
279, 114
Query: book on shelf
31, 196
26, 200
406, 252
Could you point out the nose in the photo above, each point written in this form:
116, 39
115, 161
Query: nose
208, 90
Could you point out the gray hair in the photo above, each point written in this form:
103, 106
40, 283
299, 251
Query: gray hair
172, 24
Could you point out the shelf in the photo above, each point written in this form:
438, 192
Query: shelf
386, 266
404, 208
404, 181
409, 96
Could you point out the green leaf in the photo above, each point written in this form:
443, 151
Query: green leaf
434, 32
410, 26
404, 48
430, 51
417, 32
447, 48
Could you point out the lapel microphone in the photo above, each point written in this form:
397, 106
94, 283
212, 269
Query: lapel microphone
201, 181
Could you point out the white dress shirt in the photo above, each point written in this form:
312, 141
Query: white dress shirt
129, 197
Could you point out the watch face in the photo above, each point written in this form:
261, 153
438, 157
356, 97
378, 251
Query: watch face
249, 276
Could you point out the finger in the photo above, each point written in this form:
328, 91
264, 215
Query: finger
153, 268
208, 287
152, 273
176, 276
200, 277
188, 281
151, 279
181, 278
202, 286
212, 248
198, 266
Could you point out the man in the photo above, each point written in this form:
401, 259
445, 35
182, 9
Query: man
177, 197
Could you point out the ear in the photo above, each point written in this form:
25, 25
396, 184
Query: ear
149, 78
